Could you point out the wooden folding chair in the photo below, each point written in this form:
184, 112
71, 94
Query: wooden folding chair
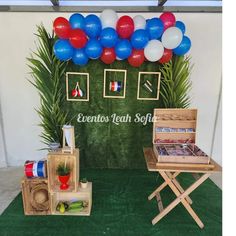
169, 173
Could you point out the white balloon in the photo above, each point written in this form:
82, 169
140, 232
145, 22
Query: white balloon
172, 38
139, 22
108, 18
154, 50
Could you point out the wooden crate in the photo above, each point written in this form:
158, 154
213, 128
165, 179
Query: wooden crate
174, 136
35, 195
81, 194
54, 159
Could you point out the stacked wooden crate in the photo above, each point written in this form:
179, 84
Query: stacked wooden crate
35, 195
42, 195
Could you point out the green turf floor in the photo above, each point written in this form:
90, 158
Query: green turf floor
120, 207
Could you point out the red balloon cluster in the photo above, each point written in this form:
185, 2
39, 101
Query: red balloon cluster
108, 55
62, 28
136, 59
167, 55
78, 38
168, 19
125, 27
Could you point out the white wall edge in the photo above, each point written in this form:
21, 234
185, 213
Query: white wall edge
3, 152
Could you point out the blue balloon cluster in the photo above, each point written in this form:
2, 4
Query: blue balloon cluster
108, 37
80, 57
184, 46
123, 49
93, 49
93, 26
77, 21
63, 50
99, 38
155, 28
139, 39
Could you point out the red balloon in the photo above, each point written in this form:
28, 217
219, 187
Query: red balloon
167, 55
108, 55
168, 19
61, 27
78, 38
125, 27
136, 59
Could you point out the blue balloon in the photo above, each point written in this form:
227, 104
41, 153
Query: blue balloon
77, 21
93, 26
80, 57
108, 37
184, 46
180, 25
123, 49
155, 28
139, 39
63, 50
93, 49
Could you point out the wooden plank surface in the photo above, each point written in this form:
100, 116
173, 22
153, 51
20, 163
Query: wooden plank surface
151, 165
159, 202
209, 166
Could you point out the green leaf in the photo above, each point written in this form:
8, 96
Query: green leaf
47, 71
175, 83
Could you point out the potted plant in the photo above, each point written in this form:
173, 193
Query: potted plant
83, 183
63, 172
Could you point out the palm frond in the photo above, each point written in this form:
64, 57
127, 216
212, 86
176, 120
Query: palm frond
47, 72
175, 82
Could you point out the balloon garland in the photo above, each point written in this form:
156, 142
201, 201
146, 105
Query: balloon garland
111, 38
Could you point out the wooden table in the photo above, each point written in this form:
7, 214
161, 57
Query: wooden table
169, 172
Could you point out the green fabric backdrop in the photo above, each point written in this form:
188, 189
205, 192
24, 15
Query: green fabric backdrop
106, 145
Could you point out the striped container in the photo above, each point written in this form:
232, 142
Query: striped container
115, 86
35, 169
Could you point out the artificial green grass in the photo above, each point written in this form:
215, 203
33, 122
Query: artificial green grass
120, 207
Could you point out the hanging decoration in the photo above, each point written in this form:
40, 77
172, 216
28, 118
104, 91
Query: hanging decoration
111, 38
77, 92
148, 86
115, 86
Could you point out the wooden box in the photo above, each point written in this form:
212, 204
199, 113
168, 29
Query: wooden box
54, 159
81, 194
35, 196
174, 136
